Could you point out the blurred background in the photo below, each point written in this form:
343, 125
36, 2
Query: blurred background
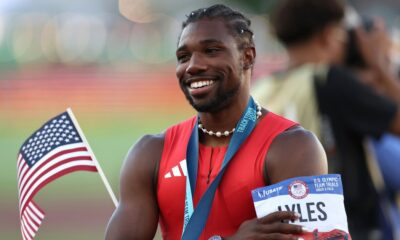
113, 63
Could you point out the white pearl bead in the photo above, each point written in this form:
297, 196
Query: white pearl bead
227, 133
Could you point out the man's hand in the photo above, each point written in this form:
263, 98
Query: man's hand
273, 226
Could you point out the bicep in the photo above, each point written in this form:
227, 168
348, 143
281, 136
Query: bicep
136, 216
294, 153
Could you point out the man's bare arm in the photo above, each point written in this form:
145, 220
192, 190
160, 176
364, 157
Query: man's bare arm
295, 152
136, 216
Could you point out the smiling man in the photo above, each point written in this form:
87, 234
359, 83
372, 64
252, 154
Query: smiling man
195, 178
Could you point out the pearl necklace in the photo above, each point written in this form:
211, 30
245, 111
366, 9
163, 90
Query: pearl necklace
226, 133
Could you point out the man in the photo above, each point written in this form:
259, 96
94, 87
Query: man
314, 36
215, 57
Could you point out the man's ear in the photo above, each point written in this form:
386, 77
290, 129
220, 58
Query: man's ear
249, 56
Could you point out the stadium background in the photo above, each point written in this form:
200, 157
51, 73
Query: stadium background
113, 64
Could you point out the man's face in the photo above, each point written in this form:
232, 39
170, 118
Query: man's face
209, 65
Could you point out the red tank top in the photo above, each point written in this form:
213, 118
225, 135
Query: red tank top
232, 203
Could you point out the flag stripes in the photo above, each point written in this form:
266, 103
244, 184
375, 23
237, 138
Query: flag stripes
52, 151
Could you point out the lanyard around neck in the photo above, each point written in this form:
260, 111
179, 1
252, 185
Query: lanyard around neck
195, 219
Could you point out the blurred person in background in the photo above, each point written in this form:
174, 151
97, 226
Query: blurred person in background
318, 84
215, 57
368, 56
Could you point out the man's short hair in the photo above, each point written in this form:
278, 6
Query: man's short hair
237, 24
294, 21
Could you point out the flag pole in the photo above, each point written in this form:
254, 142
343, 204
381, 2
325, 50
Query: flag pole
103, 177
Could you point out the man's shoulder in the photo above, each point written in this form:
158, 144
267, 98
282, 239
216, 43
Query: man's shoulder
296, 152
297, 135
147, 146
151, 145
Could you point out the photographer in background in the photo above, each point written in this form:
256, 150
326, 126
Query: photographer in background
368, 56
317, 83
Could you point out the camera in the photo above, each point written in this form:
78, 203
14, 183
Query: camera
353, 55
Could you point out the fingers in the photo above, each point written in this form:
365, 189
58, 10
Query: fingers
280, 216
278, 236
283, 228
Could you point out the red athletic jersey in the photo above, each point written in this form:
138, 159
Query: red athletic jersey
232, 203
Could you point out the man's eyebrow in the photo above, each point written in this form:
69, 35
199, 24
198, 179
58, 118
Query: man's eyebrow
202, 42
208, 41
181, 48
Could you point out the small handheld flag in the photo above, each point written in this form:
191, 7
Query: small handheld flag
57, 148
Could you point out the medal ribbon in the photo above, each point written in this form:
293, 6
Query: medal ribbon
195, 218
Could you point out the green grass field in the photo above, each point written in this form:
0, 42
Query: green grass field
77, 205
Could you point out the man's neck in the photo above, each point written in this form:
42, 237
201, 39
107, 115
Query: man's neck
223, 120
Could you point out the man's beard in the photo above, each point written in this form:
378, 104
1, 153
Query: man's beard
218, 102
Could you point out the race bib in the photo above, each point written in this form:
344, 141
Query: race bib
318, 199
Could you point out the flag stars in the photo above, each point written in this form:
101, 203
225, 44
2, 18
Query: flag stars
57, 132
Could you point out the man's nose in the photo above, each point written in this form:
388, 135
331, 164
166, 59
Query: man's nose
196, 64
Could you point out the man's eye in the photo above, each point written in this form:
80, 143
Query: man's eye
182, 57
212, 50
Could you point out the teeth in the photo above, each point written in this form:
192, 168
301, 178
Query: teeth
201, 84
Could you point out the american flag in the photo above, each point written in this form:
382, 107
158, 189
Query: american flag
54, 150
